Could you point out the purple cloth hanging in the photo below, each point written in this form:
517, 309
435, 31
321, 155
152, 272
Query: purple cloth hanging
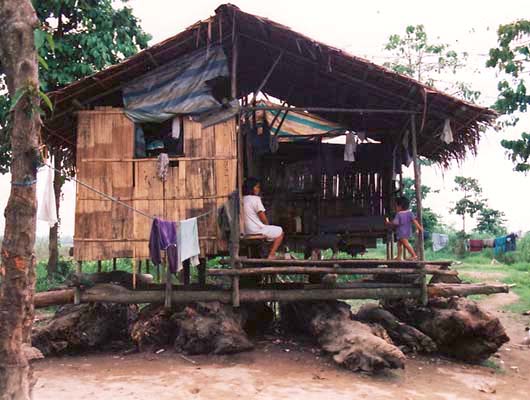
164, 237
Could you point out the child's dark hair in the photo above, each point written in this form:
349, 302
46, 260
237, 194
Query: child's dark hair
249, 184
403, 202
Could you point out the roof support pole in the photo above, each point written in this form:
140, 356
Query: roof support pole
417, 185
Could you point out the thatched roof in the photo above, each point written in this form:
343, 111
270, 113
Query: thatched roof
309, 74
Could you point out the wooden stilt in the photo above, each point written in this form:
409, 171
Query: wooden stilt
99, 266
147, 267
424, 290
202, 272
167, 297
114, 264
77, 291
235, 291
140, 266
186, 272
158, 277
79, 267
417, 184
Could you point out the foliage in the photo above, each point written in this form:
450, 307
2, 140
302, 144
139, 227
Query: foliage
430, 219
416, 56
491, 221
512, 57
471, 202
76, 39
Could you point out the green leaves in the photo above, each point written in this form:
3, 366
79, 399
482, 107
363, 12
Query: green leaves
512, 57
19, 94
416, 56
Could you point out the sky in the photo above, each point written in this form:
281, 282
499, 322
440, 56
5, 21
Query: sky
362, 28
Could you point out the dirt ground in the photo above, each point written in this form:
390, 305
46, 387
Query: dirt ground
279, 369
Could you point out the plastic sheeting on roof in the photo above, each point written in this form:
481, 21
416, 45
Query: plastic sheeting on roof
295, 123
179, 87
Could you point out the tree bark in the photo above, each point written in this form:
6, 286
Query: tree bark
17, 269
53, 238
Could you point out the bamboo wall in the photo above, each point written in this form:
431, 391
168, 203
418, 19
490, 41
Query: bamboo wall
197, 182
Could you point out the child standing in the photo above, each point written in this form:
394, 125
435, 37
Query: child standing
403, 222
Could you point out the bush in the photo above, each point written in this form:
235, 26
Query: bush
523, 249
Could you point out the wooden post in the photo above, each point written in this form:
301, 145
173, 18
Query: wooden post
186, 272
79, 267
158, 277
167, 299
114, 264
77, 291
202, 272
235, 56
99, 266
423, 282
235, 291
417, 183
147, 267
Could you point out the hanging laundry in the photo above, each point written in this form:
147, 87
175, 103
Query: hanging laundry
510, 242
406, 153
350, 147
164, 237
47, 210
476, 245
175, 127
162, 166
439, 241
499, 245
188, 241
447, 132
489, 243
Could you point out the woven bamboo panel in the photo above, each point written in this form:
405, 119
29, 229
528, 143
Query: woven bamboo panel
197, 183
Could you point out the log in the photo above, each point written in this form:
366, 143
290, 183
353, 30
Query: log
457, 325
118, 277
76, 328
293, 270
351, 344
117, 294
408, 338
465, 289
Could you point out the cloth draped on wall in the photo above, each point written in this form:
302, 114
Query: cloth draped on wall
178, 87
439, 241
47, 210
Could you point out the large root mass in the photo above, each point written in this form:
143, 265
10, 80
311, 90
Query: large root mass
458, 326
352, 344
408, 338
198, 328
84, 327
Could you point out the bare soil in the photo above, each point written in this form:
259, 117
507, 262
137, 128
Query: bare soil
280, 368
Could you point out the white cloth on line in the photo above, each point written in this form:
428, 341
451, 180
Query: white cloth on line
439, 241
188, 241
47, 210
350, 147
447, 133
175, 127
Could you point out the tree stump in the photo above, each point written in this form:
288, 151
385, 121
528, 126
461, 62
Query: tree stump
408, 338
457, 325
210, 328
197, 328
352, 344
84, 327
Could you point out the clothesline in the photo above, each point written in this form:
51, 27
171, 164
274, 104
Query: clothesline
111, 198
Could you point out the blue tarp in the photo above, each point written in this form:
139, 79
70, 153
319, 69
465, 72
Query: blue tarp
176, 88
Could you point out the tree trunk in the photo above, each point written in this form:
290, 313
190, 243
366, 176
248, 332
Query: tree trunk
17, 270
53, 240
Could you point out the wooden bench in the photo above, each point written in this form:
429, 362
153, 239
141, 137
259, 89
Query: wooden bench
253, 245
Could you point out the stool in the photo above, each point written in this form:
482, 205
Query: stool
255, 246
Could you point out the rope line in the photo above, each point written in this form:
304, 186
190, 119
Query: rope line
111, 198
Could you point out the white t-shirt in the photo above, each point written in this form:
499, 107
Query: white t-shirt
252, 205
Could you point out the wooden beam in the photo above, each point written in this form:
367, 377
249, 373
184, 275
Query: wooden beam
267, 76
417, 183
342, 262
331, 110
